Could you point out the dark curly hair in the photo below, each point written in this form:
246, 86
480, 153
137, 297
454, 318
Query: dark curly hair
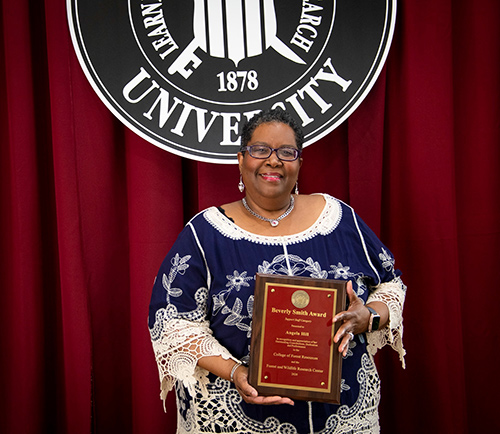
268, 116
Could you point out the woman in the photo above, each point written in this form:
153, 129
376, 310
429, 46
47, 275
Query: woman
202, 302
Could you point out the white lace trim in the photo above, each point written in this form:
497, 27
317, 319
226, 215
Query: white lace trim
220, 410
326, 223
393, 295
177, 351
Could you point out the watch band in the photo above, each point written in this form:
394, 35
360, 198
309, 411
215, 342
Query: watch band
374, 323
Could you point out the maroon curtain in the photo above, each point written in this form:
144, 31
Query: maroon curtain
88, 210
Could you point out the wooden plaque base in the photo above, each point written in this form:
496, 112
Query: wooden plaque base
292, 351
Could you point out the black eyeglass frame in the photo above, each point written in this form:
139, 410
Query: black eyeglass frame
298, 152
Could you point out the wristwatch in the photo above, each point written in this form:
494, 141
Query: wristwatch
374, 323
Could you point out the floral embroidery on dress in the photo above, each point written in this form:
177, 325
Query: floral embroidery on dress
237, 280
387, 260
344, 387
236, 318
315, 270
179, 266
349, 353
293, 265
340, 271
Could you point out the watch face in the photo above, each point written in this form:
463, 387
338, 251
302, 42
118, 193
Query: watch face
375, 322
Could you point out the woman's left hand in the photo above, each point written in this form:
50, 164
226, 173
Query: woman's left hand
353, 321
250, 395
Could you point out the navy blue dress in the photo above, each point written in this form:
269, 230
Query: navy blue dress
202, 304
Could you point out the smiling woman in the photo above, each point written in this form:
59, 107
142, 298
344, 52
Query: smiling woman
269, 181
201, 319
269, 162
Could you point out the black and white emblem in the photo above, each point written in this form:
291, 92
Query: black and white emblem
185, 74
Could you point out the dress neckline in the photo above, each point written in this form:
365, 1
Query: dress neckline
326, 222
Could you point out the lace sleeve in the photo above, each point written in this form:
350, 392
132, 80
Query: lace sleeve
178, 344
393, 295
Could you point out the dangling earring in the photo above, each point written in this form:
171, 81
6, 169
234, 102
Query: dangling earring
241, 186
297, 187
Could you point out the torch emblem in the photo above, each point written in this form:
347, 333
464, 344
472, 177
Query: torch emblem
234, 29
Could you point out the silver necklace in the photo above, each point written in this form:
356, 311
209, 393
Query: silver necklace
274, 222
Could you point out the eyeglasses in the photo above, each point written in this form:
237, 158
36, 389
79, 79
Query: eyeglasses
285, 153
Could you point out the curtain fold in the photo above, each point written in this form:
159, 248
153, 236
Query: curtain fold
477, 140
422, 221
26, 232
88, 210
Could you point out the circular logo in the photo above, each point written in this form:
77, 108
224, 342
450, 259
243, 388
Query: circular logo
186, 74
300, 299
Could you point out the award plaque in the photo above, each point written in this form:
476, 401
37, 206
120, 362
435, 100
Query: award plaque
292, 352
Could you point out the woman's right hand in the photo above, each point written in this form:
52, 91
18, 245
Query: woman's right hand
250, 395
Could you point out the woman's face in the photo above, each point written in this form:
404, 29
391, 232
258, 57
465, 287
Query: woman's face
271, 177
